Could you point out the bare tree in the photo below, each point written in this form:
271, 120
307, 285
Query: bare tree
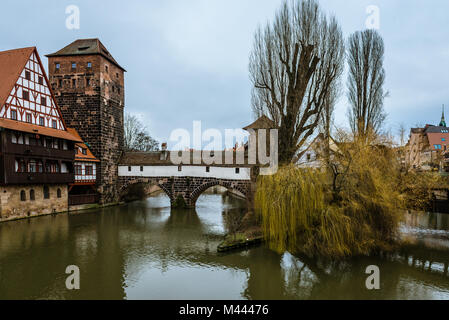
295, 63
327, 118
365, 82
402, 133
136, 135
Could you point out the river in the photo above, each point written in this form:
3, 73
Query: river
145, 250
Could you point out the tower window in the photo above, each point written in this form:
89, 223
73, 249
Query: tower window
32, 195
180, 168
23, 196
27, 75
25, 95
237, 170
58, 193
40, 80
141, 168
129, 168
207, 169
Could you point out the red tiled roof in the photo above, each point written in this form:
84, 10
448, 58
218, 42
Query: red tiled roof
12, 63
36, 129
79, 156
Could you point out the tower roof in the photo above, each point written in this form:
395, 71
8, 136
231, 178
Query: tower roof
85, 47
442, 122
262, 122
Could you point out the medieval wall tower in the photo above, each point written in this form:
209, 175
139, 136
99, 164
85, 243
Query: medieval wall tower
89, 88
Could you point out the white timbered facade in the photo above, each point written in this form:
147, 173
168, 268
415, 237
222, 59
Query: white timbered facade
31, 100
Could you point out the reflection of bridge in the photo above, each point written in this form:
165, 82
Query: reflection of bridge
182, 183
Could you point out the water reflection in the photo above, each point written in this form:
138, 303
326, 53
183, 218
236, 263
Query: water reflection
144, 250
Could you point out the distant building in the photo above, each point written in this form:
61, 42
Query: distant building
314, 156
428, 147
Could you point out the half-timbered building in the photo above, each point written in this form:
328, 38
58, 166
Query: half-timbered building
83, 189
36, 148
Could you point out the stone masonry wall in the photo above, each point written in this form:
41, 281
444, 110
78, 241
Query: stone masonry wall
92, 101
12, 207
189, 188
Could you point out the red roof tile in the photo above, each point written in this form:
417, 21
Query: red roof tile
34, 128
79, 156
12, 63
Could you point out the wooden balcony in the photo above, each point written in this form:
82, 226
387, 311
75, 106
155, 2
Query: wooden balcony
39, 151
38, 177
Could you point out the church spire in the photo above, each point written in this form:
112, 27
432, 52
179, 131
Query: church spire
442, 123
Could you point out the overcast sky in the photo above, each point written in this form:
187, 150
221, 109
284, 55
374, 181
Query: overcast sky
188, 60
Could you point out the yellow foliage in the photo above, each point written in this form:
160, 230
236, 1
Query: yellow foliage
352, 207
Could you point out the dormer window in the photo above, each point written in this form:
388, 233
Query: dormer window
84, 150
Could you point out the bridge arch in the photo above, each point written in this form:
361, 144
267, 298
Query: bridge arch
126, 184
196, 193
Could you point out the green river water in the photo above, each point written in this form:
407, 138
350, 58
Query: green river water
145, 250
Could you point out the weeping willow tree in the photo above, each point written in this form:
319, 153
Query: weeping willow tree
348, 211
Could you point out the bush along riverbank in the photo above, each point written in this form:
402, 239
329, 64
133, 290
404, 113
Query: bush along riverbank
351, 206
244, 231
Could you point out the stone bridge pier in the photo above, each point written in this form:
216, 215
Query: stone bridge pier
184, 191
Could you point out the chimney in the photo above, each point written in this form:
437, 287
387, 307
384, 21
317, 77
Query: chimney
164, 151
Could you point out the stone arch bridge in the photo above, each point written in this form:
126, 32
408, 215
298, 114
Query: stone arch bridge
185, 189
183, 184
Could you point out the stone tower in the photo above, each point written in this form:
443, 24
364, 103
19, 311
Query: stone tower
89, 88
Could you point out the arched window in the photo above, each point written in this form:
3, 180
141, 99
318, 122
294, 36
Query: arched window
23, 196
46, 192
32, 196
59, 193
